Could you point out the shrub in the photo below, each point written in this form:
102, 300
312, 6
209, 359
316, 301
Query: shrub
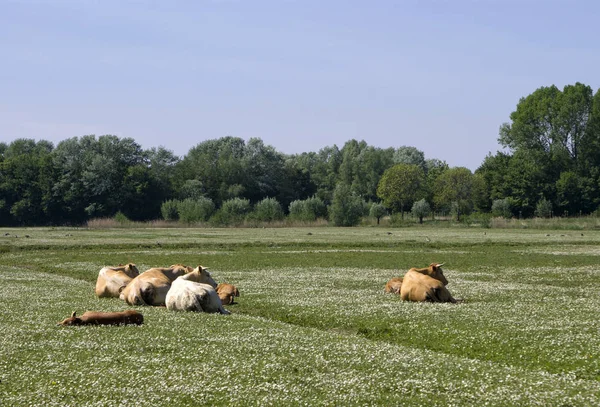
169, 210
308, 210
195, 210
347, 208
267, 210
121, 218
502, 208
420, 209
543, 209
232, 212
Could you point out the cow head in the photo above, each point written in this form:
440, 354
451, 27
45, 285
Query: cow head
131, 270
201, 275
435, 271
73, 320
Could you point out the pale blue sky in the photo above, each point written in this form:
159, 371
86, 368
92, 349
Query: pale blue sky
441, 76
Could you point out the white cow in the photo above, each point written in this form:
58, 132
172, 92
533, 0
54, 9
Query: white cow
195, 291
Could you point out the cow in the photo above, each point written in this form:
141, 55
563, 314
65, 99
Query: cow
129, 317
393, 286
227, 292
151, 287
426, 284
112, 280
195, 291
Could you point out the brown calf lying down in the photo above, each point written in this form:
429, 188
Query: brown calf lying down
151, 287
105, 318
112, 280
426, 284
226, 293
394, 285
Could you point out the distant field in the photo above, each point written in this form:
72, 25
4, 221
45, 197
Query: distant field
312, 326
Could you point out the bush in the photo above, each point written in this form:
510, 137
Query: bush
347, 208
420, 209
121, 218
195, 210
169, 210
502, 208
307, 210
543, 209
232, 212
267, 210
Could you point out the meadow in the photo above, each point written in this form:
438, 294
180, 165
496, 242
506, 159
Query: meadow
312, 326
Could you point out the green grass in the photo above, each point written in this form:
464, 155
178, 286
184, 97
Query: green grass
312, 325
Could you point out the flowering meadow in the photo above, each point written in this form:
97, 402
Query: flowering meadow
312, 326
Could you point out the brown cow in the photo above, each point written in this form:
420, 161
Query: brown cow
112, 280
426, 284
105, 318
151, 287
393, 286
226, 293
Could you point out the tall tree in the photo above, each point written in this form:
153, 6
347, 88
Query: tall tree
23, 181
400, 186
455, 186
410, 155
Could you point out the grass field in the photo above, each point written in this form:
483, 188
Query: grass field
312, 326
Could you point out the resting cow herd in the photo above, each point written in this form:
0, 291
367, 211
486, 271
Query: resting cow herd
177, 287
182, 288
424, 284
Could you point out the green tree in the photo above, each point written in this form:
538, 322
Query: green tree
25, 182
421, 209
400, 186
555, 132
377, 211
455, 186
347, 207
410, 155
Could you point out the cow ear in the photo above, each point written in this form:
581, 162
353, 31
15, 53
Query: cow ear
73, 314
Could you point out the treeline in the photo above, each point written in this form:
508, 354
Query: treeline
551, 166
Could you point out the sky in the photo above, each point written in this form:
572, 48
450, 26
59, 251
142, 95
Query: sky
441, 76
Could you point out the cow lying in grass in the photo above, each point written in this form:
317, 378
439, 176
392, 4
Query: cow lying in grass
151, 287
426, 284
195, 291
105, 318
112, 280
227, 292
393, 286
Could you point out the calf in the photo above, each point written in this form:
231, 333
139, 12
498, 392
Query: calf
426, 284
105, 318
394, 285
226, 292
